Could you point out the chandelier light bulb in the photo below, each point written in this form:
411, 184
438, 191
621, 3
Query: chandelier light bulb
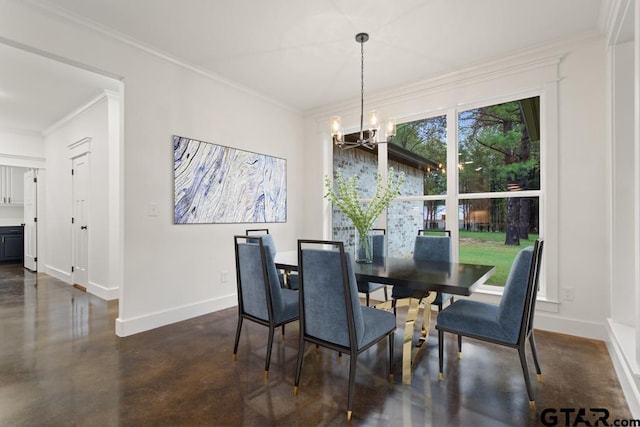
336, 126
373, 120
391, 128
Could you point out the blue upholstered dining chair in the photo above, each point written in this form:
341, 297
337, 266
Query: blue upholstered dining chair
261, 299
330, 311
428, 248
379, 250
509, 324
287, 279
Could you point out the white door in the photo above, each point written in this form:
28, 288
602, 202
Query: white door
30, 220
80, 221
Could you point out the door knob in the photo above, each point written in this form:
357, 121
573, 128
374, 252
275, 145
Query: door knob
83, 227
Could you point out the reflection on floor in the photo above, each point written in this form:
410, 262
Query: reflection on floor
61, 364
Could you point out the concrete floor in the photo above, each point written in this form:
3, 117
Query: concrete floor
61, 364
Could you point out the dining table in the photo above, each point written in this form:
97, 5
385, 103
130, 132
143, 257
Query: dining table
424, 278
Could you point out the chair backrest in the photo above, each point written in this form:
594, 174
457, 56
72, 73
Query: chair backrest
259, 291
266, 238
256, 231
532, 288
329, 306
433, 230
432, 248
518, 298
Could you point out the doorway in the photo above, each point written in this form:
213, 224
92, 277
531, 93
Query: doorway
31, 220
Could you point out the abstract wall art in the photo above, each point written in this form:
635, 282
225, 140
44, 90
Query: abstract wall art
218, 184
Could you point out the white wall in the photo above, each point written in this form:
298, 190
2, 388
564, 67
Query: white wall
171, 272
584, 183
92, 123
11, 215
623, 258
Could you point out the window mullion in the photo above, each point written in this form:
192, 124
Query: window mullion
452, 181
499, 194
383, 170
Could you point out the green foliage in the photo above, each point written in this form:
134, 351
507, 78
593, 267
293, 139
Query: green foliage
346, 197
492, 137
427, 138
488, 248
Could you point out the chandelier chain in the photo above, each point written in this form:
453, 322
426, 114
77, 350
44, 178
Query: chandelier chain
362, 89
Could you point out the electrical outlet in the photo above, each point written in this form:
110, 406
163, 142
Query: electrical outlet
224, 276
566, 294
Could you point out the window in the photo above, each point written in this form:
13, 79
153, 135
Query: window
493, 198
498, 183
420, 151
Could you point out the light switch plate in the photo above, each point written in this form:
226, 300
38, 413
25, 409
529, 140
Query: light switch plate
152, 209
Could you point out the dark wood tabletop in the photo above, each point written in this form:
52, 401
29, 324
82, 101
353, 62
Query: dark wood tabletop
451, 278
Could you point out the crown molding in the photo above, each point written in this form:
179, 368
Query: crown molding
66, 15
612, 17
75, 113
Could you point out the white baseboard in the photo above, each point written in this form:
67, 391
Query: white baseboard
582, 328
126, 327
621, 342
93, 288
107, 294
58, 274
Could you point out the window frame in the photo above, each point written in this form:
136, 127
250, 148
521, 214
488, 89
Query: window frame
548, 291
545, 84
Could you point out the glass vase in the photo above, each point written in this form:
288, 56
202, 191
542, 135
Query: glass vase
364, 247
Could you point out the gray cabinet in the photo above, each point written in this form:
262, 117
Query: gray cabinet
12, 185
11, 243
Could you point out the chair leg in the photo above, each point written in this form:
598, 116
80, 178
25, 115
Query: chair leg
269, 345
459, 346
367, 299
391, 344
282, 330
386, 295
238, 329
352, 383
440, 353
299, 365
525, 371
534, 353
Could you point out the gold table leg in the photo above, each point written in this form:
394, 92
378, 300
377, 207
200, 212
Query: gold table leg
286, 278
409, 352
384, 305
426, 314
407, 341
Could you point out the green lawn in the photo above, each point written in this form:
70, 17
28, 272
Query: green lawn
488, 248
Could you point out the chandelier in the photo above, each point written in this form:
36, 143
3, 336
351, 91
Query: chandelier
367, 138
